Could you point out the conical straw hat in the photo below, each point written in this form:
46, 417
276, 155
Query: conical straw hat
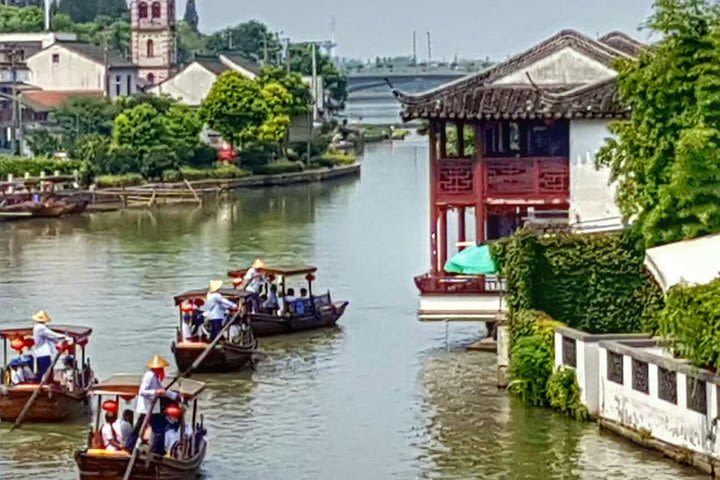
259, 264
215, 285
42, 317
158, 362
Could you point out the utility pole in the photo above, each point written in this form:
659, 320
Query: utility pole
429, 47
312, 111
414, 47
106, 64
48, 4
16, 114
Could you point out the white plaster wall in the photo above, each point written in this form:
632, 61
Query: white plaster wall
72, 72
565, 66
191, 86
591, 196
586, 371
673, 424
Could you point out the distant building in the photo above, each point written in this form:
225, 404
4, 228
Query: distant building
75, 66
193, 83
154, 38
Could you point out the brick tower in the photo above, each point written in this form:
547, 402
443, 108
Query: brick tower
153, 41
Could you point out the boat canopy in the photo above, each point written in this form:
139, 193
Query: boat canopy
128, 385
229, 293
476, 260
284, 270
74, 332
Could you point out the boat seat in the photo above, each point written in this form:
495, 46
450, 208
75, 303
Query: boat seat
101, 452
198, 345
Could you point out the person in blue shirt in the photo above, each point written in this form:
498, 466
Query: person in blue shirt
217, 308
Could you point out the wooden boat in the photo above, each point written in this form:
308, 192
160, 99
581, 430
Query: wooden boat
97, 463
55, 403
54, 198
315, 311
227, 356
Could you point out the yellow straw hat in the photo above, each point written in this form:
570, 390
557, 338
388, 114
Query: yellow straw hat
42, 317
158, 362
215, 285
259, 264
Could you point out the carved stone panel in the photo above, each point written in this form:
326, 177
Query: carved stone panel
667, 385
569, 351
696, 395
615, 370
640, 374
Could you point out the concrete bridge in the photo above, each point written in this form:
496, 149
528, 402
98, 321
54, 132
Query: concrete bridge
410, 81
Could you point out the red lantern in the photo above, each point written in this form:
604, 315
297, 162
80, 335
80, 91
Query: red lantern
17, 344
199, 302
310, 277
83, 341
110, 406
29, 342
127, 398
62, 346
174, 411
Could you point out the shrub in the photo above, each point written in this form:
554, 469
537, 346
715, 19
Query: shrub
204, 156
563, 392
691, 322
18, 166
119, 181
596, 283
158, 159
190, 174
526, 323
278, 168
530, 370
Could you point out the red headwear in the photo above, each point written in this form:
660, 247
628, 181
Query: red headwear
110, 406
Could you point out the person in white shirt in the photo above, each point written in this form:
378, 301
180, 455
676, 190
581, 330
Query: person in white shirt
111, 433
150, 387
271, 303
68, 374
20, 373
216, 308
254, 280
45, 340
125, 425
286, 303
174, 418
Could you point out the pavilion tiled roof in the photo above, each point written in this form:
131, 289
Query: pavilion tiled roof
476, 97
623, 42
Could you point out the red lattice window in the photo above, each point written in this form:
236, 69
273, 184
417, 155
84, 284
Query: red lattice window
554, 175
510, 176
455, 177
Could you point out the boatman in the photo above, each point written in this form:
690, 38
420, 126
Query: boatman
216, 308
254, 280
45, 340
150, 387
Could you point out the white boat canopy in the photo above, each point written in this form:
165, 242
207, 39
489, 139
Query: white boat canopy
694, 262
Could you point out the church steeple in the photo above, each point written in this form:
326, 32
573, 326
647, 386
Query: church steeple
153, 38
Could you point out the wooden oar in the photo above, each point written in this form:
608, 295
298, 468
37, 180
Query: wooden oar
186, 373
46, 377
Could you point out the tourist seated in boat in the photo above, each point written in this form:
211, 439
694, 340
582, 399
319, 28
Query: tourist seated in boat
304, 293
173, 431
66, 376
44, 342
192, 320
271, 303
20, 371
217, 308
287, 302
112, 433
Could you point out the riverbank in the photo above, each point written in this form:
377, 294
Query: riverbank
109, 199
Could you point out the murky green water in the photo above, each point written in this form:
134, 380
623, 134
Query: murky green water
377, 398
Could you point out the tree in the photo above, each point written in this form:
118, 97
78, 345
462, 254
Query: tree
83, 116
183, 130
21, 19
234, 104
666, 157
250, 39
42, 143
335, 83
293, 83
191, 17
82, 11
190, 42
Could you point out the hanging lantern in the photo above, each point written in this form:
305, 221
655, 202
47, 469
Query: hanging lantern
110, 406
127, 398
83, 341
17, 344
310, 277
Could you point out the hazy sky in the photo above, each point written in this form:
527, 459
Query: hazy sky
468, 28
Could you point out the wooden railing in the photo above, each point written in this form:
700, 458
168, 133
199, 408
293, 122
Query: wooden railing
429, 284
527, 176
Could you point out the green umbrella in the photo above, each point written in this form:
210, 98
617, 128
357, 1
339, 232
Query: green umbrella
472, 261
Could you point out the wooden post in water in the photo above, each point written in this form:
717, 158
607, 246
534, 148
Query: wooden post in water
503, 349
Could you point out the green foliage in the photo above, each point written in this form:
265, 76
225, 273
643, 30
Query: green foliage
335, 82
233, 105
156, 160
278, 168
526, 323
42, 143
691, 322
183, 128
220, 172
21, 19
330, 160
83, 116
530, 370
595, 283
119, 181
190, 42
204, 156
666, 156
18, 166
249, 39
88, 10
299, 101
563, 392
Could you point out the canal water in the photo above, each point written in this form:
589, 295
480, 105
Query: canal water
379, 397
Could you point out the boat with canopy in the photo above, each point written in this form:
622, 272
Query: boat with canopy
184, 460
64, 396
311, 312
233, 352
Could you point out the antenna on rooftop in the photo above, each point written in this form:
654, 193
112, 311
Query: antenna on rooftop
414, 47
429, 47
48, 4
